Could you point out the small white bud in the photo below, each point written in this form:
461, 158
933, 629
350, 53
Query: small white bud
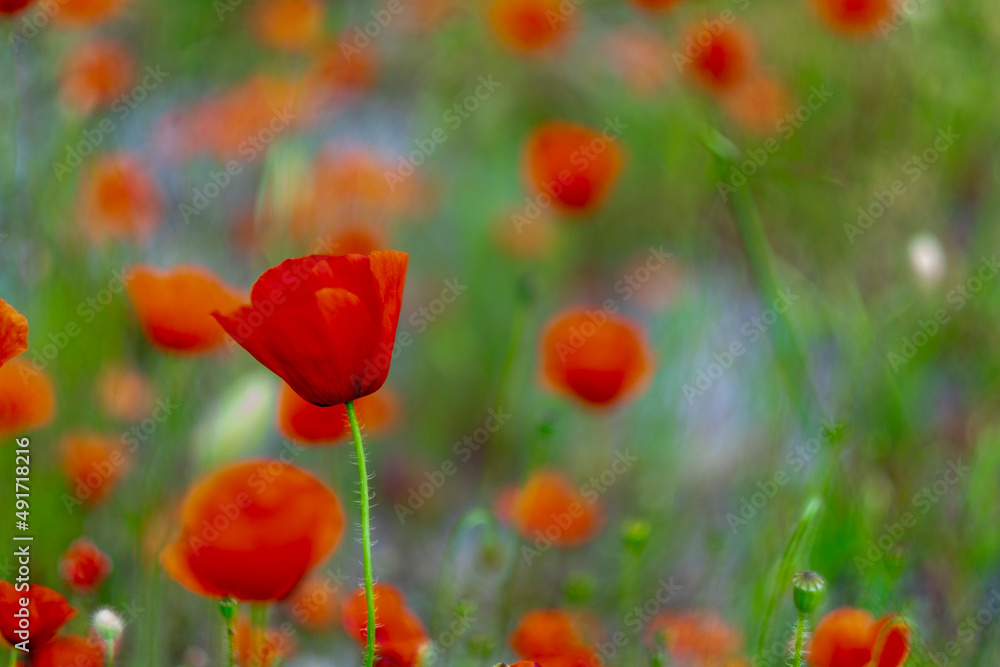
927, 258
107, 624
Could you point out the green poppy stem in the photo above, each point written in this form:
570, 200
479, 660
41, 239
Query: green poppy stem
13, 658
800, 629
110, 654
228, 607
366, 532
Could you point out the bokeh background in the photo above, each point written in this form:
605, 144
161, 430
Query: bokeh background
872, 211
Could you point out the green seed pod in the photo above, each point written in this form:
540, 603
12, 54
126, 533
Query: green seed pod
635, 535
807, 591
227, 606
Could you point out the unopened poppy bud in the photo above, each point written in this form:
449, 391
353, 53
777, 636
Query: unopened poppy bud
635, 535
228, 606
108, 625
807, 591
579, 588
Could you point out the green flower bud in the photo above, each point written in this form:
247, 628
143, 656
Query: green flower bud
807, 591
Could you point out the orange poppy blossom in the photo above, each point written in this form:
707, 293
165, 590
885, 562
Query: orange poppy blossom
530, 25
339, 68
92, 464
253, 530
639, 57
302, 422
259, 647
119, 199
700, 637
27, 398
400, 637
10, 7
80, 13
84, 567
69, 650
288, 25
555, 638
571, 165
324, 324
125, 393
13, 332
549, 508
597, 358
716, 55
48, 611
314, 604
758, 103
850, 637
855, 17
175, 306
95, 75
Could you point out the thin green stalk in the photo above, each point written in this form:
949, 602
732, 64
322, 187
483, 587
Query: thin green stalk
110, 654
800, 630
13, 658
366, 532
228, 607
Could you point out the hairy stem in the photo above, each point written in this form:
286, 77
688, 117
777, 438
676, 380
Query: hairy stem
366, 532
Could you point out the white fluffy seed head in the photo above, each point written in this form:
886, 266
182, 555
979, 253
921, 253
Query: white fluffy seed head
107, 624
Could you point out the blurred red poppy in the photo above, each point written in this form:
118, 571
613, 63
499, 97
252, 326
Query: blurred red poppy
696, 637
13, 332
400, 637
253, 530
125, 393
84, 567
118, 199
260, 647
572, 164
69, 651
556, 638
13, 6
288, 25
639, 57
27, 398
175, 306
324, 324
849, 637
79, 13
95, 74
548, 507
530, 25
302, 422
758, 104
855, 16
314, 604
595, 357
47, 610
718, 57
92, 464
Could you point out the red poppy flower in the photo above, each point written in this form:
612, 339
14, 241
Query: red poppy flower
71, 650
84, 567
758, 104
79, 13
548, 506
27, 398
253, 530
288, 25
119, 199
325, 325
302, 422
596, 358
855, 16
175, 306
92, 464
47, 612
849, 637
696, 637
719, 57
400, 637
13, 332
13, 6
556, 638
572, 164
95, 75
529, 25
